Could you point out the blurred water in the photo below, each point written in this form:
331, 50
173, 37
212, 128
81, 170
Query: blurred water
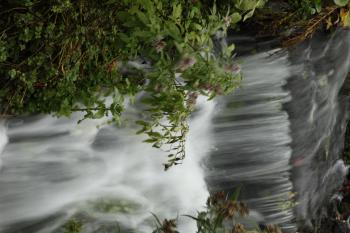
53, 167
279, 135
319, 115
252, 137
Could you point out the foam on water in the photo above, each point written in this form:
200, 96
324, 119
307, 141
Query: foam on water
54, 166
281, 132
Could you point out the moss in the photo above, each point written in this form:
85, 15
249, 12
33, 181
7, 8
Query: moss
73, 225
114, 206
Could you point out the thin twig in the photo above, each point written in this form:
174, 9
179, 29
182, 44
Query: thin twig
310, 28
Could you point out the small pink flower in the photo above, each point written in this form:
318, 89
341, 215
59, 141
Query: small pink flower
159, 45
227, 21
186, 63
206, 86
192, 99
298, 162
218, 90
233, 68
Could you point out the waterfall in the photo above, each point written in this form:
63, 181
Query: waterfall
318, 116
54, 169
278, 136
281, 135
251, 134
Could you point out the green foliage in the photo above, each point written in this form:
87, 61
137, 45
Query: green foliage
216, 218
306, 8
220, 216
113, 206
72, 226
341, 2
63, 56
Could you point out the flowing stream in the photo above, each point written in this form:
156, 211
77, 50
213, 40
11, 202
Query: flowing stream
53, 169
278, 136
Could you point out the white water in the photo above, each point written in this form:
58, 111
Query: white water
53, 168
42, 175
252, 136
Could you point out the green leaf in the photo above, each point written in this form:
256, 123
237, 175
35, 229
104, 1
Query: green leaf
194, 11
246, 5
228, 50
341, 2
100, 113
211, 96
65, 109
144, 19
318, 5
124, 37
214, 10
143, 123
235, 195
150, 140
248, 15
157, 219
190, 216
147, 4
177, 11
12, 73
235, 18
141, 130
197, 26
173, 31
154, 134
156, 145
133, 10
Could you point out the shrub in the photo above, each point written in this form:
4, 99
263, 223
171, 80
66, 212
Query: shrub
63, 56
